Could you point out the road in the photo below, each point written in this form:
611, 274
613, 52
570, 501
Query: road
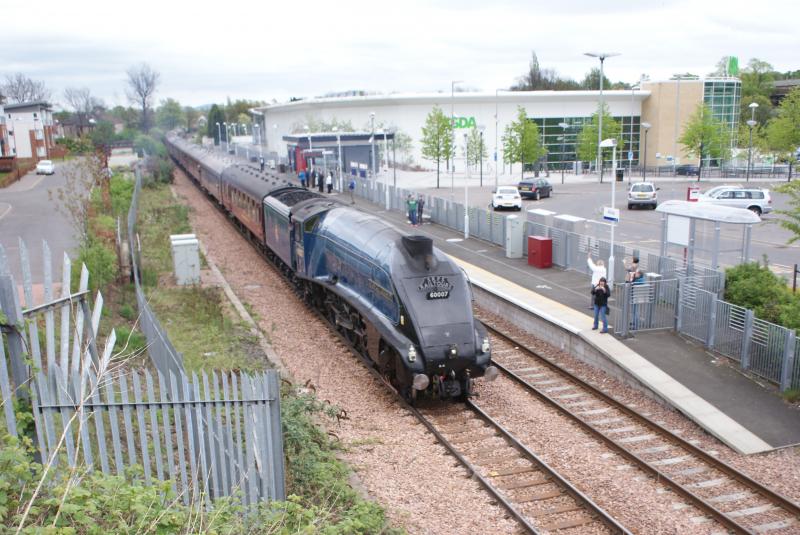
641, 228
27, 212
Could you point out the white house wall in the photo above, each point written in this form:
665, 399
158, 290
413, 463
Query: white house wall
409, 113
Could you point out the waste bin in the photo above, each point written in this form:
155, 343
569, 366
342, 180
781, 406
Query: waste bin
620, 174
540, 251
282, 167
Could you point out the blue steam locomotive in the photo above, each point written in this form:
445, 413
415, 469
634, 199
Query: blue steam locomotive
398, 300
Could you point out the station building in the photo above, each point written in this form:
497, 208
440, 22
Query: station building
666, 106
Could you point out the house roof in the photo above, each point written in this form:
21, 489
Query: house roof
33, 104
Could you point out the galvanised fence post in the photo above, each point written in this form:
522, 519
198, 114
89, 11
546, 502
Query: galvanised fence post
788, 361
747, 336
712, 321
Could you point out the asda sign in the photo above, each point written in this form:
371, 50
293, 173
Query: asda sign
463, 122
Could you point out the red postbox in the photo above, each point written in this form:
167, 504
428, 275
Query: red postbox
540, 251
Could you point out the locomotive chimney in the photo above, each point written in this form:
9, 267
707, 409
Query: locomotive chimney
418, 246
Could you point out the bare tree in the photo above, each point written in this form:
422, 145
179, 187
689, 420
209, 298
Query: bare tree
20, 88
142, 84
80, 99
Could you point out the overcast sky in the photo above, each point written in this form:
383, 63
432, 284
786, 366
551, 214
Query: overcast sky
206, 52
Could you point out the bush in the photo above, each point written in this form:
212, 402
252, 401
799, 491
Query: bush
133, 342
100, 260
754, 286
127, 312
121, 194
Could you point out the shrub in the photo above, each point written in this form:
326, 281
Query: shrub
133, 342
100, 260
121, 194
127, 312
754, 286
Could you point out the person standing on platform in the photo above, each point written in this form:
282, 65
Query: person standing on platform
302, 177
329, 182
412, 210
261, 163
352, 188
598, 271
321, 183
420, 208
600, 294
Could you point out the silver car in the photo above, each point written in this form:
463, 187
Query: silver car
756, 199
643, 194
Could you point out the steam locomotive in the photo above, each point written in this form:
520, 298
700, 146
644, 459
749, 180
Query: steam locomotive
399, 301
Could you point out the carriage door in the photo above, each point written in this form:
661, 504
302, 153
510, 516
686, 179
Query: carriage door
299, 260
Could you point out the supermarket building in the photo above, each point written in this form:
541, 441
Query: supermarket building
666, 106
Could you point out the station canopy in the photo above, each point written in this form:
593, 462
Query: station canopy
709, 212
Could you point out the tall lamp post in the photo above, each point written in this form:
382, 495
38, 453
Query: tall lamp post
466, 189
219, 134
480, 152
453, 134
227, 138
612, 143
646, 127
602, 57
339, 159
372, 142
750, 124
564, 126
496, 148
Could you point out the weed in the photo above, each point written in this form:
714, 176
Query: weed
791, 395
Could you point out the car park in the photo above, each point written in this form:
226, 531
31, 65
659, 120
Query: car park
45, 167
643, 194
506, 197
755, 199
687, 170
535, 188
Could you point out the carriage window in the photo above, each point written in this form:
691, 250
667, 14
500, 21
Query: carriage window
310, 224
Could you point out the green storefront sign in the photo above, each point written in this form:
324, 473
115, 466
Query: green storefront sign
463, 122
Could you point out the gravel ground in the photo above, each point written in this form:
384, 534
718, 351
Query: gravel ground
402, 466
779, 470
398, 462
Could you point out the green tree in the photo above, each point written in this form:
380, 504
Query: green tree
521, 141
783, 132
476, 147
591, 81
102, 134
757, 84
192, 115
705, 136
404, 146
790, 217
587, 137
170, 115
542, 79
437, 138
216, 116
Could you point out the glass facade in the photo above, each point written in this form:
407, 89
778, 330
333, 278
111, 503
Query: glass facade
722, 96
560, 143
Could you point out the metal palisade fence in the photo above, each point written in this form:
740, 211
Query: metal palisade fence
215, 435
680, 297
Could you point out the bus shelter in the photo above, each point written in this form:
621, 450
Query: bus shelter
705, 228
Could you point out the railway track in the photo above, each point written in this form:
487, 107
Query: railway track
536, 495
726, 495
533, 493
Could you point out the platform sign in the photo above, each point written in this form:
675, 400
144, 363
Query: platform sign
611, 214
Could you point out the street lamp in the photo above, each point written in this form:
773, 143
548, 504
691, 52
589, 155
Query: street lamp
496, 148
451, 159
339, 161
612, 143
219, 134
750, 124
466, 189
602, 57
227, 137
564, 127
646, 127
481, 128
372, 142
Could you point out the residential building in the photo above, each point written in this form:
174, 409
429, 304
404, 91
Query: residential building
30, 129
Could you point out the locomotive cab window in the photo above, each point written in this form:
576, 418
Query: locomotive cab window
310, 224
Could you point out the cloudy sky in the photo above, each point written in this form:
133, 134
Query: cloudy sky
269, 49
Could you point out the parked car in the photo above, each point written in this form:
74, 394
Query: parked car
687, 170
534, 188
643, 194
506, 197
756, 199
45, 167
715, 189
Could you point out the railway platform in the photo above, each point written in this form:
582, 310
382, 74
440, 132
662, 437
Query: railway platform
747, 416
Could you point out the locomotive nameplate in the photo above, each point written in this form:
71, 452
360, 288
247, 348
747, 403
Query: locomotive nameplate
436, 287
